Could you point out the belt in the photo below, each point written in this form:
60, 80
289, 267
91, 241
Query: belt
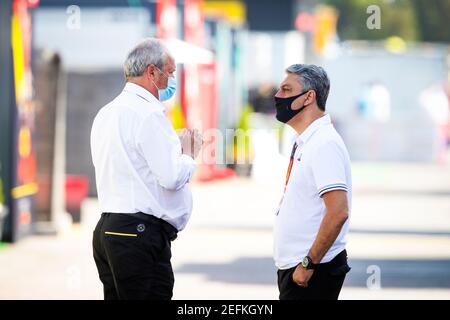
170, 230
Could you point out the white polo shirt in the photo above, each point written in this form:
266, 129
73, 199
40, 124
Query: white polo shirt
139, 166
321, 164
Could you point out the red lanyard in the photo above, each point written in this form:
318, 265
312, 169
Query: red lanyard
291, 162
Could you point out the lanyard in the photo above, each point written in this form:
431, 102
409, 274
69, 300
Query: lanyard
288, 174
291, 162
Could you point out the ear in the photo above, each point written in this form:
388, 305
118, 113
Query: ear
150, 69
310, 97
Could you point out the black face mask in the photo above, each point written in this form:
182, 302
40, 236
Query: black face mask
284, 110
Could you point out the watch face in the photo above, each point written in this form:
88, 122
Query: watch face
305, 262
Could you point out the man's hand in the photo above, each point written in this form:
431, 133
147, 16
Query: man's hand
301, 276
197, 142
191, 142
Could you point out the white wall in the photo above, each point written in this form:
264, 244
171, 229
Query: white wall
96, 38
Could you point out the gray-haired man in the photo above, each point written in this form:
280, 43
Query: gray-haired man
142, 173
312, 220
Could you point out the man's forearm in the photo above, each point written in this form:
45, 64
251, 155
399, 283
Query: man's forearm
329, 230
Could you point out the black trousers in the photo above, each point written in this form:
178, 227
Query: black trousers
132, 253
325, 283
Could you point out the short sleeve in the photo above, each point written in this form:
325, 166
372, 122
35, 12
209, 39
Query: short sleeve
328, 167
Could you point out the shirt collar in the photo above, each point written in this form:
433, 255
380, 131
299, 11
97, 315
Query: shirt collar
312, 128
143, 94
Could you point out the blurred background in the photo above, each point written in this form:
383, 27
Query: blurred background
388, 62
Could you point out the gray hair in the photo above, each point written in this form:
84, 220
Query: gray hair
313, 77
149, 51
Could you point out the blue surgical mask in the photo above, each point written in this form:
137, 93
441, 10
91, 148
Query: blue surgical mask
169, 91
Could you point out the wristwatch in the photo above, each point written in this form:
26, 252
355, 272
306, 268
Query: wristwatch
308, 264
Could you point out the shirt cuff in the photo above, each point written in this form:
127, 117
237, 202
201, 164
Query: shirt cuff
189, 163
332, 187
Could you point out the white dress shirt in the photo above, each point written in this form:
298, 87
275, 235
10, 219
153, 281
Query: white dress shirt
321, 164
139, 166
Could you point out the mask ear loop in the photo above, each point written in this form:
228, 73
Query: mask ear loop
289, 107
168, 77
165, 75
302, 107
155, 85
153, 82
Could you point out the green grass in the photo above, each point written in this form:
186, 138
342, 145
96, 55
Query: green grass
3, 245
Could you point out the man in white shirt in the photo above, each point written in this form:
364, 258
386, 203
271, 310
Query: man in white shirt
312, 220
142, 171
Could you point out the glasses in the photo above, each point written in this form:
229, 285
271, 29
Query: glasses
171, 75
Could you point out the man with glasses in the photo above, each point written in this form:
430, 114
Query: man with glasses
142, 170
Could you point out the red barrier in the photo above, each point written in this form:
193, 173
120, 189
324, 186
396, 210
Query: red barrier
77, 189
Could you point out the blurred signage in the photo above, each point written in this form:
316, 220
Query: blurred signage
193, 33
18, 154
321, 24
102, 41
270, 15
194, 22
166, 19
232, 11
